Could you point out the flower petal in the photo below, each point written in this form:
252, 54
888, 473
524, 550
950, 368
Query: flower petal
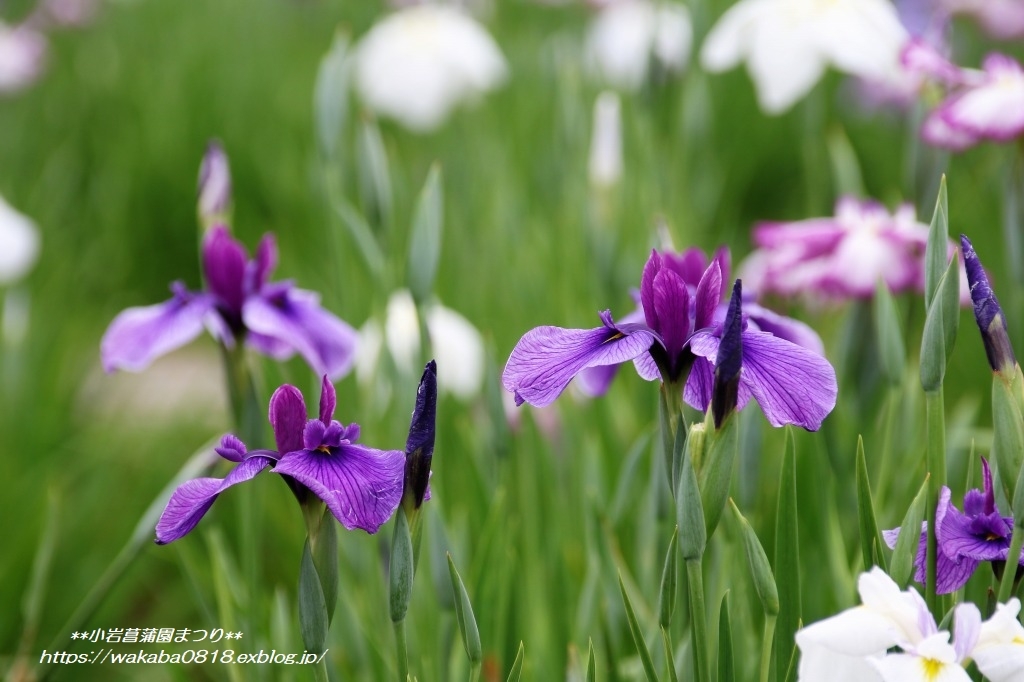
999, 652
19, 236
709, 295
547, 358
784, 327
594, 381
194, 498
288, 418
139, 335
361, 486
259, 268
791, 384
295, 317
328, 400
224, 265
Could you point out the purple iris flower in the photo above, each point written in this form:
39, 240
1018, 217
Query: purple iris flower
678, 341
965, 539
419, 447
988, 313
361, 486
238, 304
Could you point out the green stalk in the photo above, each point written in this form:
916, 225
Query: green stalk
698, 619
401, 651
935, 427
766, 646
1010, 569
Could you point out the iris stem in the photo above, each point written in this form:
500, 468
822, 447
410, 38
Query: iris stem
935, 426
766, 646
401, 650
1012, 559
698, 619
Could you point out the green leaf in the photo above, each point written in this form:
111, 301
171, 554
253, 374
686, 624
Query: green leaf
902, 566
313, 623
716, 472
940, 328
363, 236
670, 662
638, 636
760, 569
668, 582
726, 662
1007, 431
425, 240
374, 176
787, 560
464, 614
517, 667
892, 354
330, 97
35, 595
401, 573
690, 513
325, 559
937, 250
591, 664
870, 539
845, 169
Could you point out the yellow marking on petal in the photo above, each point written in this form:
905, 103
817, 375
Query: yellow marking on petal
616, 337
932, 668
324, 449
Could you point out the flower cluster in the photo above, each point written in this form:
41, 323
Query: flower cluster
980, 105
843, 256
238, 304
676, 336
980, 533
892, 637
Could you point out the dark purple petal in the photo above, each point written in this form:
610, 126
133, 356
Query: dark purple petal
224, 263
328, 400
729, 360
672, 307
547, 358
259, 268
288, 417
950, 576
296, 318
361, 486
419, 446
987, 312
194, 498
231, 448
709, 295
791, 384
700, 383
651, 270
334, 434
139, 335
313, 434
689, 265
982, 538
990, 496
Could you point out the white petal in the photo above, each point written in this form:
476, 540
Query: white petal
371, 340
820, 664
999, 652
402, 331
619, 42
784, 61
459, 351
605, 164
728, 41
673, 36
416, 65
19, 244
854, 633
862, 37
22, 52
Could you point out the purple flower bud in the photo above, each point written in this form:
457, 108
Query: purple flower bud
419, 448
214, 186
987, 313
729, 360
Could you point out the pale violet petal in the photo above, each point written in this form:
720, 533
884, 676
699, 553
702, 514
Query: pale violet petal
139, 335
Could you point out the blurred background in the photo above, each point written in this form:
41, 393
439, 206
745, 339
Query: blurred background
541, 509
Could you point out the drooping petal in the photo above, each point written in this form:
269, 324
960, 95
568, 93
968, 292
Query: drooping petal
231, 448
194, 498
966, 629
934, 660
982, 538
594, 381
784, 327
224, 265
288, 418
791, 384
547, 358
295, 317
701, 382
361, 486
137, 336
646, 367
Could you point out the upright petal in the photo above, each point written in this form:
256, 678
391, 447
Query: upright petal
214, 185
988, 313
672, 306
328, 401
224, 265
967, 628
651, 269
288, 417
791, 384
361, 486
546, 359
139, 335
259, 268
190, 502
419, 446
709, 295
295, 317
